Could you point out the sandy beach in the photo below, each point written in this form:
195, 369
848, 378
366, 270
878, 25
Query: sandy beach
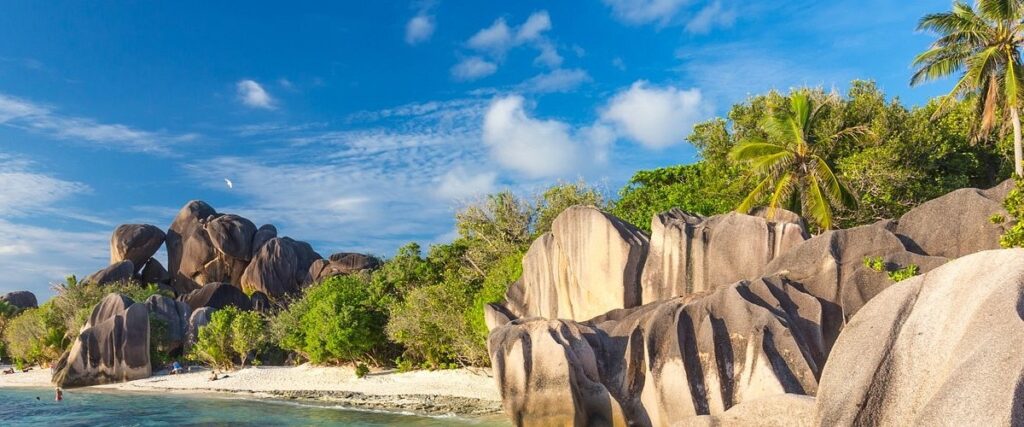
458, 391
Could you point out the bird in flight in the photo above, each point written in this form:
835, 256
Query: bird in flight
229, 183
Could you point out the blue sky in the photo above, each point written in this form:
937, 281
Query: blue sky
359, 126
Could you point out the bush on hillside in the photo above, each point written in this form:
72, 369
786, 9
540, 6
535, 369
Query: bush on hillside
231, 338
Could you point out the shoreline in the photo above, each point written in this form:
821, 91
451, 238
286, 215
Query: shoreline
456, 392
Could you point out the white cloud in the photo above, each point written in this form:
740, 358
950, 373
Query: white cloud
458, 184
473, 68
530, 146
25, 192
253, 95
646, 11
495, 39
656, 117
710, 16
419, 29
556, 81
34, 256
26, 115
534, 27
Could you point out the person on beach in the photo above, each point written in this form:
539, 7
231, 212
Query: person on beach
60, 394
176, 368
8, 371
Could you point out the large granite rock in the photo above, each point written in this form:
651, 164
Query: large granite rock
263, 234
113, 346
339, 264
121, 271
174, 316
20, 299
690, 253
136, 243
154, 272
280, 267
206, 247
790, 410
957, 223
200, 317
664, 362
189, 220
938, 349
216, 295
588, 264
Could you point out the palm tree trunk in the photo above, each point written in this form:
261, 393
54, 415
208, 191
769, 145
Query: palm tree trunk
1018, 150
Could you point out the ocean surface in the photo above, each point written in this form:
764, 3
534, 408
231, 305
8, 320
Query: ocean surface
19, 407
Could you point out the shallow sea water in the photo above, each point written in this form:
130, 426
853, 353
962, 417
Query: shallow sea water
19, 407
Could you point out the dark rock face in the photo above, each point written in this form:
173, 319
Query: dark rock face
112, 347
200, 317
274, 269
190, 219
265, 233
135, 242
260, 302
154, 272
938, 349
217, 295
663, 362
957, 223
118, 272
174, 315
20, 299
339, 264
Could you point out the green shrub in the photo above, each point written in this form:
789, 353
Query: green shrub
339, 320
31, 338
213, 345
903, 273
1013, 237
875, 263
248, 334
496, 283
431, 324
362, 370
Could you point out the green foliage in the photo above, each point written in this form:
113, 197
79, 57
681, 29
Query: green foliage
75, 301
7, 312
248, 334
558, 198
339, 320
31, 337
878, 264
214, 341
158, 343
362, 370
1013, 237
904, 273
498, 279
430, 323
696, 188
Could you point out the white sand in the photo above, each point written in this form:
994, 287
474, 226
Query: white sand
463, 391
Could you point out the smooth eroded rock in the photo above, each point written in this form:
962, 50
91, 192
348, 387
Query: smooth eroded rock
957, 223
189, 219
174, 316
136, 243
121, 271
216, 295
112, 347
20, 299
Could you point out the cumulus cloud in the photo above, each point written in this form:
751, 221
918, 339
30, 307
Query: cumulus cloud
29, 116
533, 147
556, 81
656, 117
459, 184
253, 95
496, 40
534, 27
419, 29
473, 68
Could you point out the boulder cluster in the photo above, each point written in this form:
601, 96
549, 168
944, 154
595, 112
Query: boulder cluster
214, 260
749, 320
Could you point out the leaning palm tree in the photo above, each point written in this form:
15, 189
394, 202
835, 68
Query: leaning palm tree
984, 46
790, 165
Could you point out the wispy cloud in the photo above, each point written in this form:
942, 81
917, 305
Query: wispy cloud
29, 116
473, 68
497, 39
420, 28
560, 80
252, 94
696, 17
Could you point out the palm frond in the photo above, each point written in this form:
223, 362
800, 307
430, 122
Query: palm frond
816, 203
756, 194
834, 189
784, 187
1002, 10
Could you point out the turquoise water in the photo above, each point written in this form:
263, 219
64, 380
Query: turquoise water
19, 407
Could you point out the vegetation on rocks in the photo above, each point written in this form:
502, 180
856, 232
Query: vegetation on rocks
232, 338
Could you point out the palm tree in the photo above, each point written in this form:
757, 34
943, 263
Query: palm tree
790, 165
984, 45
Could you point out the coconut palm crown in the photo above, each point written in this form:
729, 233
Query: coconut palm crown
983, 45
790, 163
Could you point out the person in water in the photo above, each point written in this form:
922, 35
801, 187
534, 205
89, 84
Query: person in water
60, 394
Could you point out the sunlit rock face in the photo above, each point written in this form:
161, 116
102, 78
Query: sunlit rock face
957, 223
136, 243
939, 349
112, 347
690, 253
588, 264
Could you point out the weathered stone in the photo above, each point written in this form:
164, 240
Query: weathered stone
304, 257
690, 253
272, 271
232, 235
939, 349
265, 233
20, 299
174, 316
260, 302
154, 272
118, 272
112, 347
339, 264
588, 264
216, 295
136, 243
957, 223
664, 362
189, 219
790, 410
